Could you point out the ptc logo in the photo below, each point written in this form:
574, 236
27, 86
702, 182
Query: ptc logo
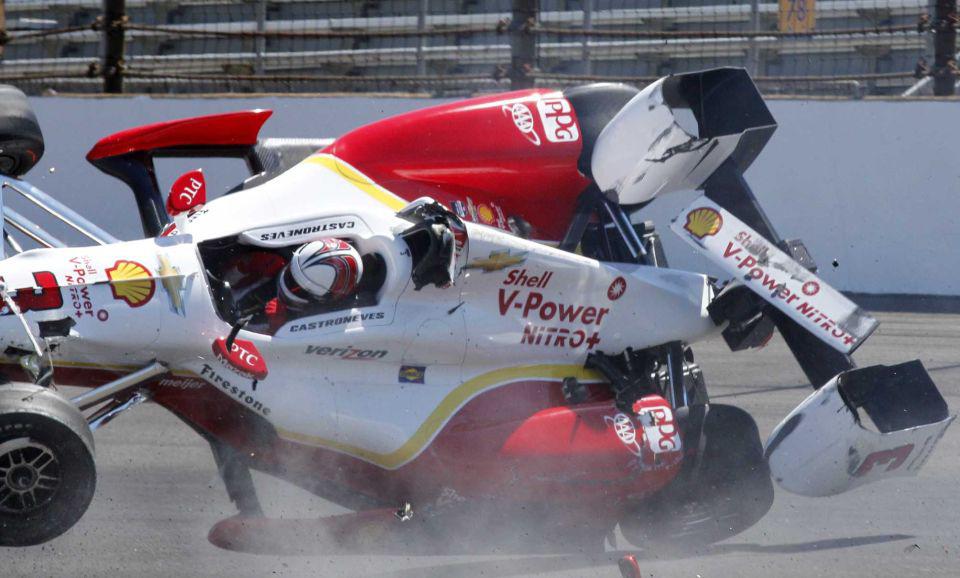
243, 357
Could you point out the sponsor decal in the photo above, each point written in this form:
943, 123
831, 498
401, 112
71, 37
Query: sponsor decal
756, 269
623, 426
617, 288
497, 260
472, 210
82, 272
233, 391
556, 115
810, 288
187, 192
344, 319
501, 218
131, 283
773, 275
558, 337
703, 222
657, 433
180, 382
523, 120
486, 214
348, 353
536, 308
172, 282
412, 374
305, 230
519, 278
659, 426
82, 305
243, 358
45, 296
169, 230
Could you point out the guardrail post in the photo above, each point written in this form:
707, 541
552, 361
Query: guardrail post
261, 42
114, 21
753, 56
3, 25
945, 48
587, 27
422, 39
523, 43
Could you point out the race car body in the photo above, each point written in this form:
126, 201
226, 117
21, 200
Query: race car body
515, 341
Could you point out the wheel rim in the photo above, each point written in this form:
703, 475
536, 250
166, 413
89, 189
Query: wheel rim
29, 475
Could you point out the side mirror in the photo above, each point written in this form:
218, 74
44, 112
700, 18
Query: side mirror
187, 192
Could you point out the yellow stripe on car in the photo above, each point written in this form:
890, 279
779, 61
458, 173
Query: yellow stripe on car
444, 411
359, 180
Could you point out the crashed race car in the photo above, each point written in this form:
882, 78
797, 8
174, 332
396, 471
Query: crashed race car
516, 345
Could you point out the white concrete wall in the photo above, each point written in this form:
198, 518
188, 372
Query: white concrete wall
874, 185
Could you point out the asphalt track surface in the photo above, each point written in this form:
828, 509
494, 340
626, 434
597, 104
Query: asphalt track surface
159, 494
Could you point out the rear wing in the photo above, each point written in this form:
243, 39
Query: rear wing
647, 149
129, 155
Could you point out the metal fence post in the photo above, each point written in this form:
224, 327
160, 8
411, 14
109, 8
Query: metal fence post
523, 43
944, 48
587, 27
753, 57
422, 39
261, 42
114, 20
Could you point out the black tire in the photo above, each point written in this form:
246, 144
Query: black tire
47, 472
719, 493
21, 142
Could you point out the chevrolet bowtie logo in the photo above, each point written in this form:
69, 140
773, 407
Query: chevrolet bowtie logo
172, 282
497, 260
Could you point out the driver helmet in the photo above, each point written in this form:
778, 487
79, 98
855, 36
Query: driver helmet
324, 270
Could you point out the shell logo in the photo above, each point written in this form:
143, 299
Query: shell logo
485, 213
131, 282
703, 222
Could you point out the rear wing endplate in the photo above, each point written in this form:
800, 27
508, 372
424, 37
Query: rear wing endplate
773, 275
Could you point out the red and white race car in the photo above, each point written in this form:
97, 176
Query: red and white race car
516, 343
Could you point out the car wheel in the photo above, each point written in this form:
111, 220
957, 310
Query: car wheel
47, 472
721, 491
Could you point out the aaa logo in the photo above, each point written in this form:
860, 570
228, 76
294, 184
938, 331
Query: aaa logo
131, 282
703, 222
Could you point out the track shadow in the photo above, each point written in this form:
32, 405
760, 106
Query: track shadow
763, 390
817, 545
943, 368
568, 562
